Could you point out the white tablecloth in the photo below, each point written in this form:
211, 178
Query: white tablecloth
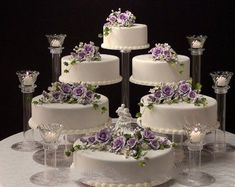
17, 167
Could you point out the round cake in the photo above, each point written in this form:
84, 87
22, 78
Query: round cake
117, 170
126, 38
146, 71
76, 118
170, 118
102, 72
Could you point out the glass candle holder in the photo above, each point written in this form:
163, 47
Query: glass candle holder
56, 47
195, 177
196, 47
50, 134
27, 85
221, 81
125, 67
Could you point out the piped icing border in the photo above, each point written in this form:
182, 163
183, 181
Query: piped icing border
125, 47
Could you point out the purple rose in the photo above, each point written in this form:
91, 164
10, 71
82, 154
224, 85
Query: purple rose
56, 95
112, 19
103, 135
66, 88
148, 135
81, 56
164, 141
89, 94
119, 143
88, 48
156, 51
79, 91
131, 143
192, 95
167, 91
91, 139
122, 17
184, 88
83, 139
158, 94
154, 144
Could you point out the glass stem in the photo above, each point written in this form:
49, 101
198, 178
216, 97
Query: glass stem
194, 161
56, 67
196, 69
27, 98
125, 66
55, 164
221, 113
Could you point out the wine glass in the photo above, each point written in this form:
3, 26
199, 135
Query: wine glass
50, 134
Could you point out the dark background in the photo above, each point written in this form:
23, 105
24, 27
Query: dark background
23, 44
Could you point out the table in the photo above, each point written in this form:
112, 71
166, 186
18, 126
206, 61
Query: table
17, 167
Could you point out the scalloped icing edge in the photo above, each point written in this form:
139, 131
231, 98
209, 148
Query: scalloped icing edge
144, 184
34, 125
100, 83
125, 47
175, 131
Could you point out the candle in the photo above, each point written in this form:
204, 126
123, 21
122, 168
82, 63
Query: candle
221, 81
55, 43
196, 44
196, 136
28, 80
50, 137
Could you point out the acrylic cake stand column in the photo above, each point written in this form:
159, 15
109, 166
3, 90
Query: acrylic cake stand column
196, 47
56, 42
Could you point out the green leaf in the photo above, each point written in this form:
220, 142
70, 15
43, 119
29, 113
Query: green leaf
141, 104
66, 63
68, 153
127, 136
95, 106
198, 87
66, 71
103, 110
35, 102
138, 115
142, 164
150, 106
73, 62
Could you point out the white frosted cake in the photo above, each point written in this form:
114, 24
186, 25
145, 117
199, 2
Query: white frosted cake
123, 155
171, 105
78, 115
147, 71
122, 33
171, 118
103, 72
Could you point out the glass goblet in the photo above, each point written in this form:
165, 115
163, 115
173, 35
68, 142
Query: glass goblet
50, 134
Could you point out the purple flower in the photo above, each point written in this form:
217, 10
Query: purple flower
154, 144
66, 88
89, 49
103, 135
192, 95
56, 95
122, 17
79, 91
131, 143
81, 56
151, 98
184, 88
89, 94
164, 141
148, 134
45, 94
112, 19
158, 94
119, 143
91, 139
83, 139
167, 91
156, 51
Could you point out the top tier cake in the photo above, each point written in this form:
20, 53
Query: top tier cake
122, 33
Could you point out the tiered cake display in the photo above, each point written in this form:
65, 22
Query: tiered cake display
125, 153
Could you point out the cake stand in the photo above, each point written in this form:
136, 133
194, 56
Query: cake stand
125, 68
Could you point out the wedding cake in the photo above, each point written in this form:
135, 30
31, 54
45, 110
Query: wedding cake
123, 155
86, 64
172, 102
120, 32
76, 106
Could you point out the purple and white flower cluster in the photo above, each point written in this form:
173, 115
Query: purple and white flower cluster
118, 19
86, 52
133, 145
175, 93
70, 93
164, 52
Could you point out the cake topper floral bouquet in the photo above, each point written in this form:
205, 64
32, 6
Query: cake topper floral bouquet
84, 52
118, 19
81, 93
135, 142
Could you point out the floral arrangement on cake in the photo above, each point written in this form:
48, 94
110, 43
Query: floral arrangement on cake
174, 93
80, 93
84, 52
164, 52
118, 19
125, 138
